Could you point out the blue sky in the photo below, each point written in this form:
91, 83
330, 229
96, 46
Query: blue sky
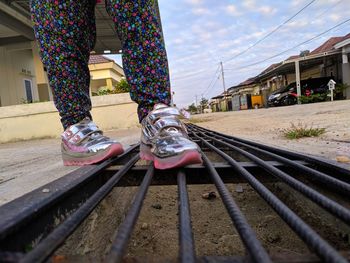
200, 33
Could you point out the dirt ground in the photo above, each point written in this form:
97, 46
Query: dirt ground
25, 166
156, 233
266, 126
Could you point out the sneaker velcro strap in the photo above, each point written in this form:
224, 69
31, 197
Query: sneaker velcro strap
167, 122
164, 112
83, 133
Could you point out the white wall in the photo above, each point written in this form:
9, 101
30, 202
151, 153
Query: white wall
16, 65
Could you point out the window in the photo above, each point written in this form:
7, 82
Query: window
28, 89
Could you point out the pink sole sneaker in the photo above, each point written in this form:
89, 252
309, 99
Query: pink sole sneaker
113, 150
186, 158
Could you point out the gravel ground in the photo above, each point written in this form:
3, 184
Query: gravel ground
27, 165
267, 125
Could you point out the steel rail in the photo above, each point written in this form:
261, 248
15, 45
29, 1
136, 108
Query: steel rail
254, 171
8, 225
337, 184
310, 159
50, 243
310, 237
125, 229
186, 251
247, 234
323, 201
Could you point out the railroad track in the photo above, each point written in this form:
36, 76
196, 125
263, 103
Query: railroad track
34, 226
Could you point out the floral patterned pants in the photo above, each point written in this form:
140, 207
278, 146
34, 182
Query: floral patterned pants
65, 32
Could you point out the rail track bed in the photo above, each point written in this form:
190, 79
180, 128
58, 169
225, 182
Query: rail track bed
309, 197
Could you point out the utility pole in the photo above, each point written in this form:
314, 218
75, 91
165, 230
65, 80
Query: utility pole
201, 103
196, 100
223, 76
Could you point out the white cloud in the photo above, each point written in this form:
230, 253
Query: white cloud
198, 42
318, 22
249, 4
178, 40
298, 24
201, 11
267, 10
194, 2
298, 2
232, 10
334, 17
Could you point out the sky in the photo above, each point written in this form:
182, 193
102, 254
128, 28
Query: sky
200, 33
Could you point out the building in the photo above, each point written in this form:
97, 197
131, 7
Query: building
23, 79
331, 59
327, 60
344, 46
221, 102
104, 72
22, 76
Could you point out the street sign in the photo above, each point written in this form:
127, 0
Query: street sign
331, 87
331, 84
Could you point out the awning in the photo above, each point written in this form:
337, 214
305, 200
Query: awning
288, 66
15, 26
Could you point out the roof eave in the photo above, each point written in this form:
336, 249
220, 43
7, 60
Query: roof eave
342, 44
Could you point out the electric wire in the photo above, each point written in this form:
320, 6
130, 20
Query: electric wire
328, 9
211, 89
270, 33
292, 48
256, 43
213, 81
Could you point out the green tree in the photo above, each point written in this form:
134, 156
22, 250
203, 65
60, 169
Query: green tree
122, 87
204, 103
192, 108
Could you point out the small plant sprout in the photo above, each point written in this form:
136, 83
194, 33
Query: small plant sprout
302, 130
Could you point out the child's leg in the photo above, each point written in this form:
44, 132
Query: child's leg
144, 57
164, 138
65, 32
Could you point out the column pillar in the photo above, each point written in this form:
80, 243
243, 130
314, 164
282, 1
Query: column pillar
346, 72
109, 84
297, 79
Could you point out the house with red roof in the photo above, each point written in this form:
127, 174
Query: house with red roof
327, 60
331, 59
344, 46
105, 73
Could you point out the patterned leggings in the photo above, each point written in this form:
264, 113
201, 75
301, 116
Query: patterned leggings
65, 32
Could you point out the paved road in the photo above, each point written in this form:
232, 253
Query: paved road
27, 165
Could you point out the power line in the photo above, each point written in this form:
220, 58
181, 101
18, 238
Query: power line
207, 92
300, 44
211, 89
213, 80
330, 8
273, 31
259, 41
191, 75
256, 43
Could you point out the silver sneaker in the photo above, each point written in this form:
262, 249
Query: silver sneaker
164, 139
84, 143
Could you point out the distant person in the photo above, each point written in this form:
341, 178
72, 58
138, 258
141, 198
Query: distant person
65, 32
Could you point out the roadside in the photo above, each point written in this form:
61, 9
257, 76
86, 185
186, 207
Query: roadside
266, 126
27, 165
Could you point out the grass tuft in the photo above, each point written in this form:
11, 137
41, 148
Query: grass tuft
301, 130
